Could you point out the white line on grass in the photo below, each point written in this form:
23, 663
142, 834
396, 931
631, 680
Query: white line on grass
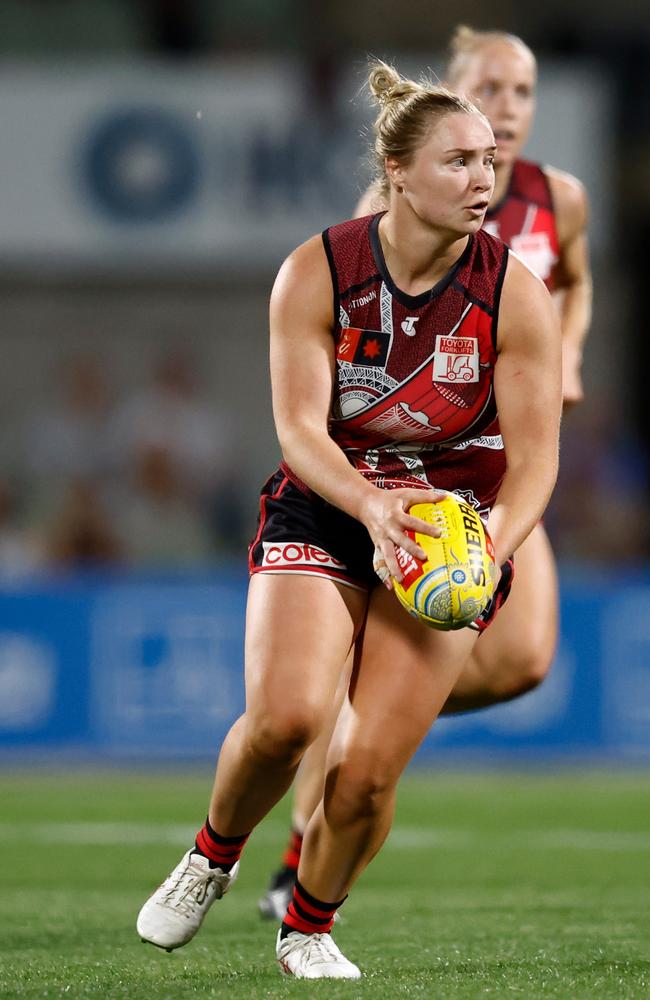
402, 838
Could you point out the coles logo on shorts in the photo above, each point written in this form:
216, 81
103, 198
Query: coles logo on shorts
288, 555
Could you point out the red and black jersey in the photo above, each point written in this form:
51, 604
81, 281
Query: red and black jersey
414, 398
525, 220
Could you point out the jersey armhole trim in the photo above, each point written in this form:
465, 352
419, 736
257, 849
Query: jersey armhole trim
336, 299
544, 168
551, 203
497, 295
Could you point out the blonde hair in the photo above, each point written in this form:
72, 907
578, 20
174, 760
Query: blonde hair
408, 110
466, 42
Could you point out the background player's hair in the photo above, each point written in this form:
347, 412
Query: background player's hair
466, 42
407, 112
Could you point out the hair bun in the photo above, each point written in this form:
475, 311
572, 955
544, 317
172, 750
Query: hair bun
384, 83
463, 39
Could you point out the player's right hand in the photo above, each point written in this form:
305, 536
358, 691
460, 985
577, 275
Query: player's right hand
386, 517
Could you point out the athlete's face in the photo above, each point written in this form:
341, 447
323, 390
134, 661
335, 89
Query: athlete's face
450, 179
500, 78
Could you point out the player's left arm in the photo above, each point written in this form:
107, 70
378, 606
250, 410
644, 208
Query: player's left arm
572, 277
527, 385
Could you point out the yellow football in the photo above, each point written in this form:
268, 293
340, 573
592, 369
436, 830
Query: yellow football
453, 585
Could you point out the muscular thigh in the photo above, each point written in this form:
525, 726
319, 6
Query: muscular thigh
526, 626
299, 630
403, 677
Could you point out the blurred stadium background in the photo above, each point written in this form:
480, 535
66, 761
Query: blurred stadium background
159, 159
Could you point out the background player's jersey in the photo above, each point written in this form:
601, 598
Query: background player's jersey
414, 398
525, 220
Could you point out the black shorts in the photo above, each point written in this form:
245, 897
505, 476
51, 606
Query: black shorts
299, 533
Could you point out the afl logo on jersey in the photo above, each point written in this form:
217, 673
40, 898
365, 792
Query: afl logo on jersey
456, 359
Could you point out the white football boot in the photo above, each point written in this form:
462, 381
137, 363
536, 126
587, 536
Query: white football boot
273, 904
173, 914
313, 956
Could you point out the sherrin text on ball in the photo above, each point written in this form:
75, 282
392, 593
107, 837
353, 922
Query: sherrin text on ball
453, 585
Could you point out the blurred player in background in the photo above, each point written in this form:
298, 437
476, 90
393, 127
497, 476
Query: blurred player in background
368, 422
541, 213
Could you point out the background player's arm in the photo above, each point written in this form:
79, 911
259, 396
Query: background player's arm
527, 383
371, 201
572, 277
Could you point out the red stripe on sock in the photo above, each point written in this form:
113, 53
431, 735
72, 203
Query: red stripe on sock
295, 919
313, 911
291, 856
225, 854
298, 923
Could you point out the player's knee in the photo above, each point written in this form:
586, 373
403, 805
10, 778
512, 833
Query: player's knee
537, 668
283, 737
358, 793
525, 674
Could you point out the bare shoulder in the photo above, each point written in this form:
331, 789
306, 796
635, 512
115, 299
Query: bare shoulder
570, 201
520, 279
525, 299
304, 273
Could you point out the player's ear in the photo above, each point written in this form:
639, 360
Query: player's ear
395, 172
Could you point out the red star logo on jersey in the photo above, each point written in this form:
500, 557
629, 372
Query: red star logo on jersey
368, 348
371, 349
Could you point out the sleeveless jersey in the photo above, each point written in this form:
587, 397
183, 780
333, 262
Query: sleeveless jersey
525, 220
414, 400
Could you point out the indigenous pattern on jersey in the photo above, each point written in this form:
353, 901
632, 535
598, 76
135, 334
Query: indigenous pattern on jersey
414, 397
525, 220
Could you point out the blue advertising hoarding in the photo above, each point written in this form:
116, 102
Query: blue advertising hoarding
133, 669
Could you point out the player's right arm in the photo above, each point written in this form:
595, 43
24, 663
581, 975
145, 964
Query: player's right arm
302, 380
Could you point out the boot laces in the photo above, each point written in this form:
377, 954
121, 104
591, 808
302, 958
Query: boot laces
190, 889
321, 948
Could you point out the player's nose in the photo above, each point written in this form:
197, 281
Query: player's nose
483, 178
507, 105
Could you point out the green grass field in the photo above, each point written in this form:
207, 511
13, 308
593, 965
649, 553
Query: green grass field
522, 885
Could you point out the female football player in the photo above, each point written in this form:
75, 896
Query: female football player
541, 213
368, 423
